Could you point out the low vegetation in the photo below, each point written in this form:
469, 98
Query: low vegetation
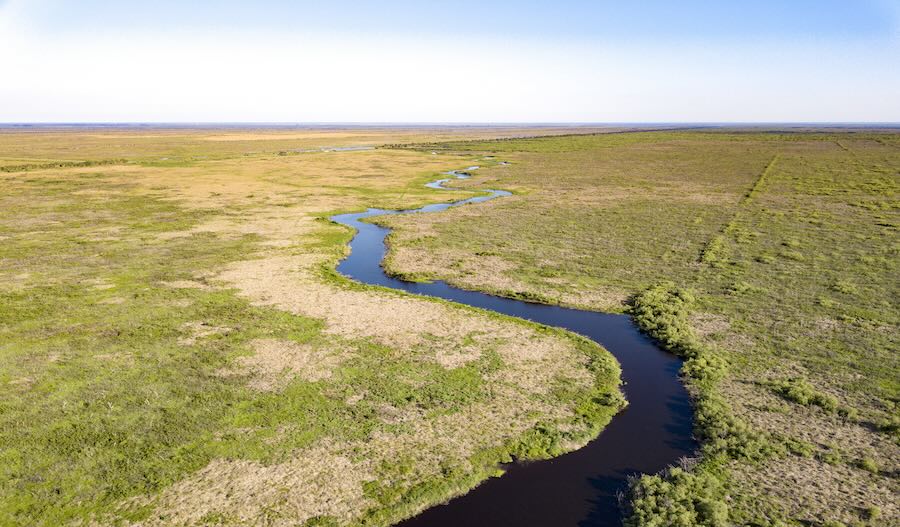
767, 260
177, 350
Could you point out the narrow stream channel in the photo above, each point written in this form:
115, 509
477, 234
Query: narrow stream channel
577, 489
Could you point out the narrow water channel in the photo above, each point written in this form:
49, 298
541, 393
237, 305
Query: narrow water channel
577, 489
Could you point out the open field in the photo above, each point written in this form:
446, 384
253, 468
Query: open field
176, 351
31, 147
770, 261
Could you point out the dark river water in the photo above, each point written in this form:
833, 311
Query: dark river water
577, 489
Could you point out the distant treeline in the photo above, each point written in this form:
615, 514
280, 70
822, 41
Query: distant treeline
448, 145
61, 164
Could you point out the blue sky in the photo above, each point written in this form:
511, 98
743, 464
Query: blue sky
343, 60
647, 19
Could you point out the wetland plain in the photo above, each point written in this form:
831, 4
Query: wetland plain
180, 345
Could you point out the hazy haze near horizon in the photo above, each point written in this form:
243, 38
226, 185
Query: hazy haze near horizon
274, 61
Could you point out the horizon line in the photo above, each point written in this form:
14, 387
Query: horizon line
14, 124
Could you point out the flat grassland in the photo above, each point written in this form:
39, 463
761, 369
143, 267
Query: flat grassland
175, 348
769, 260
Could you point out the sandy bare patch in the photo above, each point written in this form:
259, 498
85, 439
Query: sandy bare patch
451, 359
276, 362
280, 227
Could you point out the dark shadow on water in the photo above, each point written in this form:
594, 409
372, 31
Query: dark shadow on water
577, 489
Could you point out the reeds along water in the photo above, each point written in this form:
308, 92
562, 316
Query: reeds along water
578, 489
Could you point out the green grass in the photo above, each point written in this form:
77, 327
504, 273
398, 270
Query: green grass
102, 403
777, 255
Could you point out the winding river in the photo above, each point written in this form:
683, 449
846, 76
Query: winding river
578, 489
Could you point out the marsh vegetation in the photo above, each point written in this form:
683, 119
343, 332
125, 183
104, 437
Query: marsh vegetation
767, 260
176, 348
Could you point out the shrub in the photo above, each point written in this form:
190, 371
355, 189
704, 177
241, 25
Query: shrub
800, 391
832, 457
849, 413
662, 312
844, 287
792, 255
678, 499
825, 302
873, 512
800, 448
890, 425
869, 465
715, 253
739, 288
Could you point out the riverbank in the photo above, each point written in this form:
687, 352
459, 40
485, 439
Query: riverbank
175, 352
579, 489
784, 242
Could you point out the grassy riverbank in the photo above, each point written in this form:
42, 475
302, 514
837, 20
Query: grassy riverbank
768, 260
175, 351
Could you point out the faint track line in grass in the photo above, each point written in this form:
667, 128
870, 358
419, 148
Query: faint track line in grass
62, 164
715, 251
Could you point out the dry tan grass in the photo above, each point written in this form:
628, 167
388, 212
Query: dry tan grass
321, 482
327, 480
227, 186
288, 282
480, 272
277, 201
766, 411
816, 492
40, 146
274, 363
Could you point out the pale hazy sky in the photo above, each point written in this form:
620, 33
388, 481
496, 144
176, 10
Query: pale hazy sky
466, 61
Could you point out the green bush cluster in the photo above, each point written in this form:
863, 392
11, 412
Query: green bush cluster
679, 499
662, 312
800, 391
697, 498
715, 253
890, 425
869, 465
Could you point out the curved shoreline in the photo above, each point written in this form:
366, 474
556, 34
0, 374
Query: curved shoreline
575, 489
